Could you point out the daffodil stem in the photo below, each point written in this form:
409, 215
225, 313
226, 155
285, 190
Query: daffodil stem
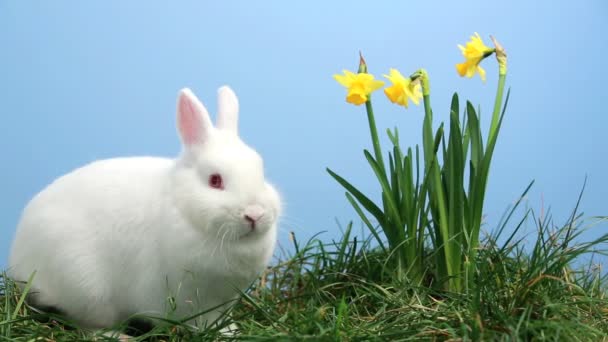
437, 196
427, 107
374, 133
484, 173
497, 104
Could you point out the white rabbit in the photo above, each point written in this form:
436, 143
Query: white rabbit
164, 237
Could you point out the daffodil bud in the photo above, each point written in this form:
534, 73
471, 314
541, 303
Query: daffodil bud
501, 56
362, 65
424, 80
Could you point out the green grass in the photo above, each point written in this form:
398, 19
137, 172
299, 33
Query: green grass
540, 290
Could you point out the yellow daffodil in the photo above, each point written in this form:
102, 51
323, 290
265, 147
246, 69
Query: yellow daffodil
402, 89
474, 52
359, 86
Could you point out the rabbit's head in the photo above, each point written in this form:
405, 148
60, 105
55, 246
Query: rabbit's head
218, 182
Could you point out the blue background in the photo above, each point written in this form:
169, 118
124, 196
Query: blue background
80, 81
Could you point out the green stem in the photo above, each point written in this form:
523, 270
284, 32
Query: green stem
374, 134
436, 192
485, 171
497, 106
427, 106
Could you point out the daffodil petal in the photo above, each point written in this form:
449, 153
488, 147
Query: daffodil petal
395, 73
482, 73
392, 93
402, 89
349, 74
356, 98
471, 68
461, 68
416, 94
343, 80
359, 86
375, 85
474, 52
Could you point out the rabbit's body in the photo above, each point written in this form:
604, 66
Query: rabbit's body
125, 236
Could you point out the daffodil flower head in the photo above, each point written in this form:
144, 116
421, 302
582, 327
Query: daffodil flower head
359, 86
474, 52
403, 89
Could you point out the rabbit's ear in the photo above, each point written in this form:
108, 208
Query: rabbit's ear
227, 110
193, 121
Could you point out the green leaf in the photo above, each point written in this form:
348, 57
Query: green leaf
475, 132
396, 193
393, 137
402, 185
407, 186
455, 107
386, 190
365, 220
365, 202
26, 290
438, 139
344, 243
508, 218
439, 214
455, 182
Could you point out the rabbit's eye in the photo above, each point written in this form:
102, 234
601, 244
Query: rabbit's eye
215, 181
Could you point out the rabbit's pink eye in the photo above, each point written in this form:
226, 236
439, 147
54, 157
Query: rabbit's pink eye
215, 181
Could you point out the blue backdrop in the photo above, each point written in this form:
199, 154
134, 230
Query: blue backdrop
81, 81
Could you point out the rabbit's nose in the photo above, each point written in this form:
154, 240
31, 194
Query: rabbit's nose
253, 214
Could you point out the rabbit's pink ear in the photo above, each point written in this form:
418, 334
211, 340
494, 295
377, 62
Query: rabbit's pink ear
227, 110
193, 121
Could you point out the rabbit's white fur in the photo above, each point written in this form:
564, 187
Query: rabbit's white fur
121, 236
